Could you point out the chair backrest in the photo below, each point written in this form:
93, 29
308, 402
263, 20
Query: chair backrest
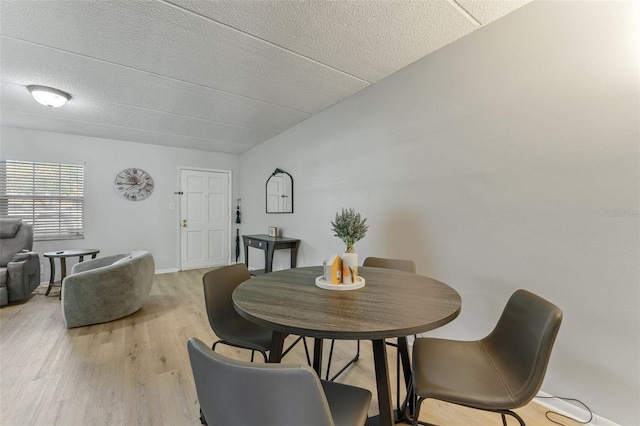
398, 264
232, 392
218, 288
521, 342
15, 236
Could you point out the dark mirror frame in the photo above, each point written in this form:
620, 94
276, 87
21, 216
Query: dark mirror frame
266, 191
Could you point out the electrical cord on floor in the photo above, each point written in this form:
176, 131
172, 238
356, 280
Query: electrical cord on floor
586, 422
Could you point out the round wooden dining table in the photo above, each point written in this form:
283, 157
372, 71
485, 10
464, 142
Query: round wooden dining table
392, 304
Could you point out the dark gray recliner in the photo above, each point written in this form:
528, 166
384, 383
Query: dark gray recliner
19, 266
234, 392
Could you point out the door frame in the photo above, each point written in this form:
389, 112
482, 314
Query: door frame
179, 208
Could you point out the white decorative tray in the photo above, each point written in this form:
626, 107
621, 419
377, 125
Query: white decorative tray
320, 282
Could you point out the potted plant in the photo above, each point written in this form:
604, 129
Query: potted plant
350, 227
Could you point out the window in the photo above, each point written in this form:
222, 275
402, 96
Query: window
48, 195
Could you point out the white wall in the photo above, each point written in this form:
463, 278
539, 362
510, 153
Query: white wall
509, 159
113, 224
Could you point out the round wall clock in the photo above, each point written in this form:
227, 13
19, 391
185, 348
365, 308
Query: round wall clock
133, 184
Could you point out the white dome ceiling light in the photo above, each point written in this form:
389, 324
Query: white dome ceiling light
48, 96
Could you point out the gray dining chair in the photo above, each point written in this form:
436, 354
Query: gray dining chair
227, 324
233, 392
231, 328
376, 262
498, 373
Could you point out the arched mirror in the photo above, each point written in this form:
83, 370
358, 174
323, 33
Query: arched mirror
279, 192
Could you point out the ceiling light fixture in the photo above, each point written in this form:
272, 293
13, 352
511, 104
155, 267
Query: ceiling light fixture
48, 96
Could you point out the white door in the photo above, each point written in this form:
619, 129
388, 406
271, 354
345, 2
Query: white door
205, 219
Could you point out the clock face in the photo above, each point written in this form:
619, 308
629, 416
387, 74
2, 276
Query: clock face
134, 184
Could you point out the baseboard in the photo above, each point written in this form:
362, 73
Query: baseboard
574, 411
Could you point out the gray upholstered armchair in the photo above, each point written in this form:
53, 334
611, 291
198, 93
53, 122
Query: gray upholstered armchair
19, 266
107, 288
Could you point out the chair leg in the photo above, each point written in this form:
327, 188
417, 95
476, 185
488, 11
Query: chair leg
252, 353
202, 419
416, 401
354, 359
417, 411
408, 404
512, 414
330, 357
306, 351
398, 378
306, 348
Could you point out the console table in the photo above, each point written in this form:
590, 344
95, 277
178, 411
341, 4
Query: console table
269, 245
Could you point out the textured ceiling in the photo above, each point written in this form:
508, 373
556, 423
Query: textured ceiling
219, 76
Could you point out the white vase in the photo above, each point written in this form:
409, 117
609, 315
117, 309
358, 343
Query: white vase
349, 268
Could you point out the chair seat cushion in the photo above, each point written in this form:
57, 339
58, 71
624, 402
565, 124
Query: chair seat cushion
246, 334
349, 405
460, 372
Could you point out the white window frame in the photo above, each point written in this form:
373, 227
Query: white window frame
48, 195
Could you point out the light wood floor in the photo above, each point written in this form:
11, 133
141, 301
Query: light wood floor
135, 371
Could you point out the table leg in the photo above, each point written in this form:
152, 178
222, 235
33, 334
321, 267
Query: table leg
294, 255
246, 253
268, 258
317, 355
277, 343
52, 266
385, 405
63, 268
63, 274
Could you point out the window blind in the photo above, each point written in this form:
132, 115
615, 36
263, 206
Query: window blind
48, 195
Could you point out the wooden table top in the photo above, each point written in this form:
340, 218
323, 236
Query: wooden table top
391, 304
